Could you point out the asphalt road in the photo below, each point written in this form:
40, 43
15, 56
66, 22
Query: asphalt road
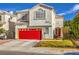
18, 53
26, 53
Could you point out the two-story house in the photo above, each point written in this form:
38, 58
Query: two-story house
41, 17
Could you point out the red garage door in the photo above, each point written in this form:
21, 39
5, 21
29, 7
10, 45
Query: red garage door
30, 34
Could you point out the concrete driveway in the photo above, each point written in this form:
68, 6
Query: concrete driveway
4, 44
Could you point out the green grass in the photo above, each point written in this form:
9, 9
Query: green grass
55, 43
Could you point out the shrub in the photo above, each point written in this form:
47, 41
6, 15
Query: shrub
2, 31
55, 43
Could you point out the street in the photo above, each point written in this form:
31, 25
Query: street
19, 53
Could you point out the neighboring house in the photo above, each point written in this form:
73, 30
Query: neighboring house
4, 18
40, 16
4, 22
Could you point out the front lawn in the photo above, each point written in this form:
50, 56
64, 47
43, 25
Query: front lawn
55, 43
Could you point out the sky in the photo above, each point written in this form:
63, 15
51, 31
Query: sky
68, 10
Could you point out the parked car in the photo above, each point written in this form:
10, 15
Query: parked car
3, 36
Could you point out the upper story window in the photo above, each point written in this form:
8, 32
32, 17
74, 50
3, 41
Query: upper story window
40, 14
25, 17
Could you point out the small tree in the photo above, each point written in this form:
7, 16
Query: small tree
2, 31
73, 26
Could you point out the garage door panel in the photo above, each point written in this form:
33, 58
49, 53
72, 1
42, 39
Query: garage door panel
30, 34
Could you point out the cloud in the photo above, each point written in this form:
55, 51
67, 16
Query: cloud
72, 10
76, 7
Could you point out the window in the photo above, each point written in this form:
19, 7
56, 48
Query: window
40, 14
46, 30
25, 17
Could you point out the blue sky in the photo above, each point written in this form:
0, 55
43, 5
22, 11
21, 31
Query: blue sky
65, 9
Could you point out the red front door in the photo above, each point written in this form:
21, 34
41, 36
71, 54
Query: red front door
58, 32
30, 34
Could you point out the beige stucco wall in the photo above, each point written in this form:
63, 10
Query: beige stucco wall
40, 22
59, 21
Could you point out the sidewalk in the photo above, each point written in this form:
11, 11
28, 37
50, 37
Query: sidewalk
39, 50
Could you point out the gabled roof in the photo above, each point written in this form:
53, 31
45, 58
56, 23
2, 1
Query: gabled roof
40, 4
25, 10
43, 5
3, 12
